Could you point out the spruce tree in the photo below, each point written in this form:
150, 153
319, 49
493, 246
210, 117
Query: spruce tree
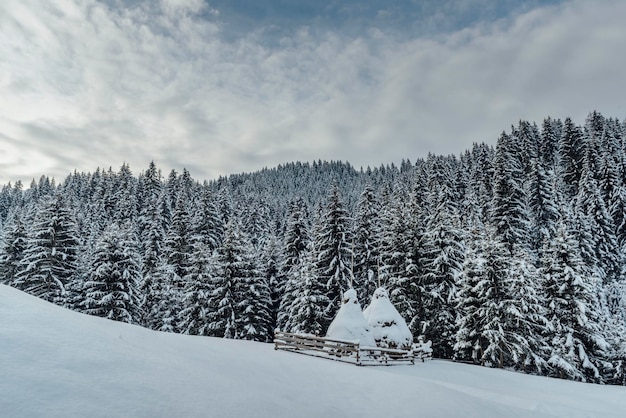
52, 250
207, 224
442, 260
308, 310
589, 202
510, 214
178, 240
240, 299
13, 244
194, 318
366, 246
151, 220
491, 345
523, 316
468, 341
334, 250
401, 244
542, 201
570, 158
297, 236
161, 303
125, 196
577, 345
271, 269
112, 288
296, 245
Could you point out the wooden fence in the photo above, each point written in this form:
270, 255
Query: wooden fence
345, 351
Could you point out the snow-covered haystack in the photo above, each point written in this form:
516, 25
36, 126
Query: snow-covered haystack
350, 324
387, 325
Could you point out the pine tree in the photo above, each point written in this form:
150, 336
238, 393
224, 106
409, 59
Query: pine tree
240, 300
401, 244
366, 246
125, 196
334, 253
161, 303
307, 311
550, 134
297, 236
490, 293
151, 220
296, 247
570, 157
151, 223
194, 318
524, 321
12, 247
468, 341
590, 203
256, 305
272, 271
577, 346
256, 222
112, 289
178, 240
52, 249
542, 201
442, 260
510, 207
207, 225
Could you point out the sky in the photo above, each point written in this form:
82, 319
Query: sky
228, 86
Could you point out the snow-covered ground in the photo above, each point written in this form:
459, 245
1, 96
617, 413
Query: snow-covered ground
57, 363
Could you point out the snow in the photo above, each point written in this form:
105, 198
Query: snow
388, 327
349, 323
58, 363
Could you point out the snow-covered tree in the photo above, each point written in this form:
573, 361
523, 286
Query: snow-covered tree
510, 214
240, 300
13, 244
112, 289
194, 318
366, 245
52, 249
470, 299
442, 261
296, 250
577, 344
334, 250
306, 311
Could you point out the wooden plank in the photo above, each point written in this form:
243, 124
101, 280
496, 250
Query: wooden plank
307, 345
281, 335
341, 350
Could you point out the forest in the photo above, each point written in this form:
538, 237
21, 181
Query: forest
510, 256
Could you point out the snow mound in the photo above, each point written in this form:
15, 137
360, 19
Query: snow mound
350, 324
387, 325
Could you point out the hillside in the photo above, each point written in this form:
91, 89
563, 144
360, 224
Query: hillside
59, 363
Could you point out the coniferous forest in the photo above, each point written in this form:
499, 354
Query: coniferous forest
509, 256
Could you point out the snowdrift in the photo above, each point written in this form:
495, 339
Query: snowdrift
57, 363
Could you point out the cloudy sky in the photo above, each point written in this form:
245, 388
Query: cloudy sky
226, 86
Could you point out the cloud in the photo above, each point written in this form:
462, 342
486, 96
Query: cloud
86, 85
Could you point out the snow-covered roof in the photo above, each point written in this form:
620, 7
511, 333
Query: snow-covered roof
350, 324
387, 325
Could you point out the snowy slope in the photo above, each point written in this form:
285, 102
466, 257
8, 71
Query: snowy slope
57, 363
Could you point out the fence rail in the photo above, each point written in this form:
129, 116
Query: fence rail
346, 351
